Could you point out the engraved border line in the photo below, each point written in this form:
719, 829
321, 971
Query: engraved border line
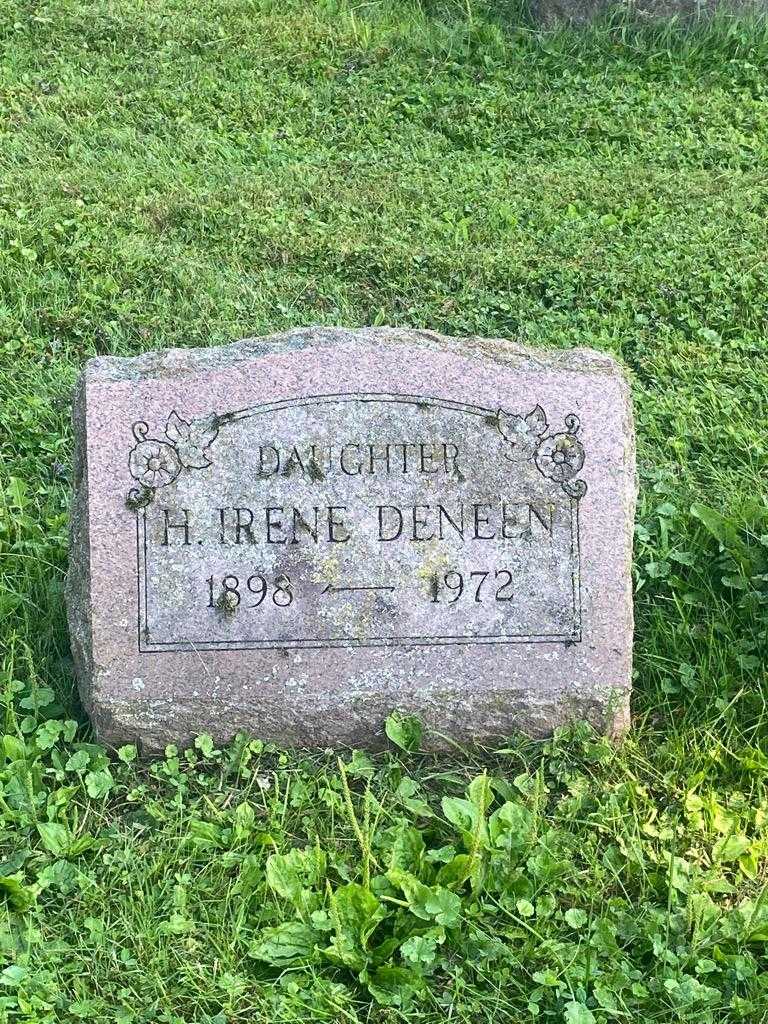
179, 646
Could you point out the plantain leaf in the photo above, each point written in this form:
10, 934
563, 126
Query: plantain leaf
393, 986
408, 849
289, 943
17, 896
355, 912
404, 731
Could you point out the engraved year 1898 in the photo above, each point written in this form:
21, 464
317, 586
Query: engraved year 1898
230, 590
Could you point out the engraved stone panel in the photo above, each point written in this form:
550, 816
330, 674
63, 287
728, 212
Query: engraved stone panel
293, 536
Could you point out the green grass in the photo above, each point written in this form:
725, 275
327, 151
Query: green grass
177, 173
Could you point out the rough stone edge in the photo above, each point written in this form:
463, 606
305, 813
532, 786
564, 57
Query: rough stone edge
617, 713
77, 588
152, 726
176, 362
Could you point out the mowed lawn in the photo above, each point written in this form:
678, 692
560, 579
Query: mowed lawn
179, 173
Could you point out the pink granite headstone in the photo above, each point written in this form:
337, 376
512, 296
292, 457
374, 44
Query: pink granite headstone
293, 536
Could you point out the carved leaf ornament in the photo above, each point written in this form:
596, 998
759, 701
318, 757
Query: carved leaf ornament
191, 440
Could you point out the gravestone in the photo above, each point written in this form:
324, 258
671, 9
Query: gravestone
293, 536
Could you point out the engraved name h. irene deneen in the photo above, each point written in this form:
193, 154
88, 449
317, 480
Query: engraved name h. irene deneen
526, 441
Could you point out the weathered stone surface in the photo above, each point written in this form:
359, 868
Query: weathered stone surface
292, 536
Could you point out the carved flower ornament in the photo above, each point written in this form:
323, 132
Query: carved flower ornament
558, 457
154, 463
